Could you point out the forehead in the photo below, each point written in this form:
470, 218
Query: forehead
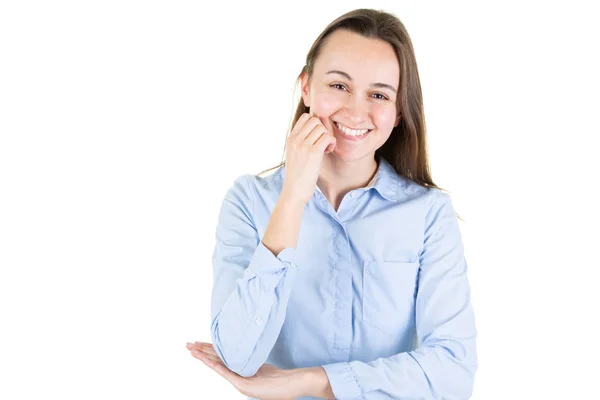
373, 59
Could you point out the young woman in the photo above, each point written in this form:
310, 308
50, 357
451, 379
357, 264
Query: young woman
342, 274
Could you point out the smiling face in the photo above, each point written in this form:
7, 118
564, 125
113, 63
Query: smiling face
354, 83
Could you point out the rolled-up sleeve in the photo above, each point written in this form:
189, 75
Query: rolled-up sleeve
251, 285
444, 364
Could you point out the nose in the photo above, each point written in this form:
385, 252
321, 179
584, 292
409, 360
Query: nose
357, 110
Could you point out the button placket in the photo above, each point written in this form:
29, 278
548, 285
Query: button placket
342, 291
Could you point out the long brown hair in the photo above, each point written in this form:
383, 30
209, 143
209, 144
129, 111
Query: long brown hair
406, 148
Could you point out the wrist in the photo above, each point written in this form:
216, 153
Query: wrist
288, 197
315, 383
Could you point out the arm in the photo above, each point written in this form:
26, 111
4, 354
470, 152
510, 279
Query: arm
252, 283
444, 365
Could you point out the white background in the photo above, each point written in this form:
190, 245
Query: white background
123, 123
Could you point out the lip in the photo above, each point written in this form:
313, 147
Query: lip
355, 129
350, 138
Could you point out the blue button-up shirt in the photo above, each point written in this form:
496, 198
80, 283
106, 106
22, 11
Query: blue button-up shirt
376, 292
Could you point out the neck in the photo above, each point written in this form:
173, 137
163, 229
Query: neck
338, 177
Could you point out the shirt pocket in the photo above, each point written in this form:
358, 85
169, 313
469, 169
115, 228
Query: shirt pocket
389, 289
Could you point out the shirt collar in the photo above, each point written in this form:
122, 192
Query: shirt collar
386, 180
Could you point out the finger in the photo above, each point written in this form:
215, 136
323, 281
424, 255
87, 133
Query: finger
198, 344
225, 372
206, 347
304, 118
193, 346
206, 358
300, 133
315, 134
209, 352
326, 143
203, 356
209, 349
298, 126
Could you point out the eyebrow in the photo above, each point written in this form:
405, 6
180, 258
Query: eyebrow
376, 84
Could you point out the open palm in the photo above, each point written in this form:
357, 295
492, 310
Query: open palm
269, 382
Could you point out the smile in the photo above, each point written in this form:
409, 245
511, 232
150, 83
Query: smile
352, 134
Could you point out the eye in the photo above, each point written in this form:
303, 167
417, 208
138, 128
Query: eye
383, 97
336, 85
343, 87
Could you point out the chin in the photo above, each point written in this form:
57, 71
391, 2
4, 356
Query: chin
348, 157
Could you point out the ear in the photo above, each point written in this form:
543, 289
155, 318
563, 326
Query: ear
304, 88
398, 119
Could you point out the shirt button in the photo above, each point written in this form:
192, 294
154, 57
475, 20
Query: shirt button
258, 321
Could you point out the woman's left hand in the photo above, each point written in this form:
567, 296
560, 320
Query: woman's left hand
269, 382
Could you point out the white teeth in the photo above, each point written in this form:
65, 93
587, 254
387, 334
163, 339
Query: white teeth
351, 132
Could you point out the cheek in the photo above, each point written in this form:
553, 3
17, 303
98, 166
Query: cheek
325, 104
385, 117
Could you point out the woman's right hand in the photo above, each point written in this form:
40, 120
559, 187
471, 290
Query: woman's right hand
305, 148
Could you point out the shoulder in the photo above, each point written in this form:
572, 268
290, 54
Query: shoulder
265, 186
441, 213
239, 188
438, 198
248, 188
272, 181
432, 202
409, 190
